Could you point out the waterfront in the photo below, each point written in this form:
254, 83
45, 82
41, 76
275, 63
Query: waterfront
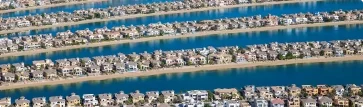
71, 8
212, 14
241, 39
314, 74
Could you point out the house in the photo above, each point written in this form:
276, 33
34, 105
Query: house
168, 95
8, 77
308, 102
231, 103
239, 58
57, 101
341, 102
196, 95
338, 52
119, 67
41, 64
62, 63
105, 99
309, 90
22, 102
73, 100
294, 90
22, 76
5, 102
93, 70
19, 67
137, 96
152, 95
353, 89
339, 90
106, 67
279, 91
130, 33
249, 91
50, 73
324, 90
131, 67
259, 102
38, 75
121, 97
293, 102
276, 102
89, 100
356, 101
39, 102
325, 101
231, 93
244, 103
5, 68
264, 92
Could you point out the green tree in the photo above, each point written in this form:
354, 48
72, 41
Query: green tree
129, 101
280, 57
311, 45
210, 95
211, 62
301, 56
207, 105
189, 63
242, 51
289, 55
177, 99
161, 99
322, 53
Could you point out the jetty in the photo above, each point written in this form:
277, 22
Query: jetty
25, 23
43, 72
33, 44
247, 96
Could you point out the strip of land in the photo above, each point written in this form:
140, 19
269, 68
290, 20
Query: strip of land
145, 15
207, 33
48, 6
185, 69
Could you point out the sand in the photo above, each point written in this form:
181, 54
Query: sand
48, 6
207, 33
145, 15
184, 69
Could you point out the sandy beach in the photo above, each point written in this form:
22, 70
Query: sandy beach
185, 69
48, 6
145, 15
208, 33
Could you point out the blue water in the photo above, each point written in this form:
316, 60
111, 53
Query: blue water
71, 8
241, 39
316, 73
329, 5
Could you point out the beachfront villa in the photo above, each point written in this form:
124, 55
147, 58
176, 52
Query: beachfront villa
82, 37
45, 70
106, 13
16, 4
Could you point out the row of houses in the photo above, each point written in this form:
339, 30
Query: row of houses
14, 4
80, 15
86, 36
248, 96
158, 59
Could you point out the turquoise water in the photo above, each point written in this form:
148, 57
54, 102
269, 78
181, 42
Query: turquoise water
314, 74
241, 39
327, 5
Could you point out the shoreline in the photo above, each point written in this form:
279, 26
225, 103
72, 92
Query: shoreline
146, 15
187, 69
49, 6
106, 43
